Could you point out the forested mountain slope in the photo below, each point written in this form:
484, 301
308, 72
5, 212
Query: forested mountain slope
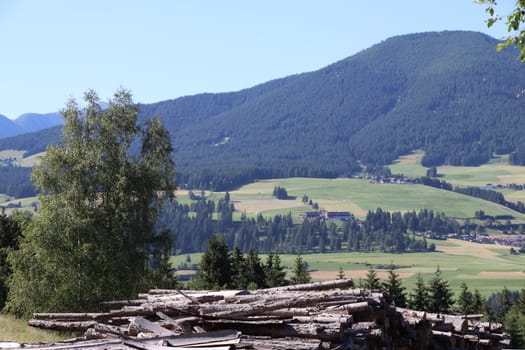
448, 93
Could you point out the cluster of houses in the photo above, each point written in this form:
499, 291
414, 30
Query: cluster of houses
511, 241
327, 215
398, 180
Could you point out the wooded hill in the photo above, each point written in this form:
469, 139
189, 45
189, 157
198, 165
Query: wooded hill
450, 94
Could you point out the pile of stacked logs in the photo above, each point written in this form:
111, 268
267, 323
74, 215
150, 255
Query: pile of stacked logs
323, 315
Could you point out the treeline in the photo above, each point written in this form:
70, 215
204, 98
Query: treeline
482, 193
228, 178
220, 269
193, 224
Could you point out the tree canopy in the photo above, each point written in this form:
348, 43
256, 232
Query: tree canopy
95, 236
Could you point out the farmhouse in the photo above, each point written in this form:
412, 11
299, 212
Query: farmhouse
309, 215
337, 215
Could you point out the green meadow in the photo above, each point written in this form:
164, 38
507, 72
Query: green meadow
487, 268
359, 196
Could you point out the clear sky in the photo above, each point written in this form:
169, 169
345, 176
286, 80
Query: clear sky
162, 49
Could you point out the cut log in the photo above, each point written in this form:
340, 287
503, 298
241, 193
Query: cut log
315, 286
268, 343
354, 308
65, 316
225, 337
63, 326
140, 324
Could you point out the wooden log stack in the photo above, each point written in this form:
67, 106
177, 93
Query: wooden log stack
322, 315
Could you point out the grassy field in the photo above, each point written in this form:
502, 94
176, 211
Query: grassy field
497, 171
485, 267
15, 330
358, 196
19, 158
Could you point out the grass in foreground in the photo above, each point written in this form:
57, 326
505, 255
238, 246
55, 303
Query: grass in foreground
18, 331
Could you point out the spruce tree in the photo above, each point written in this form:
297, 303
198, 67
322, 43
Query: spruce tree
300, 272
238, 268
441, 296
274, 272
371, 280
394, 287
419, 298
465, 302
341, 273
254, 270
215, 270
478, 302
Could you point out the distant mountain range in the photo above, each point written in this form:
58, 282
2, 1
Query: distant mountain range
28, 122
450, 94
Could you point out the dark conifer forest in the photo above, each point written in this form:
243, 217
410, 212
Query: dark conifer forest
381, 231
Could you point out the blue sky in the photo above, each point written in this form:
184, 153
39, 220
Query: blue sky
163, 49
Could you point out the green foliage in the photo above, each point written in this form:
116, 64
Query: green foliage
394, 286
441, 296
514, 323
514, 22
371, 280
420, 296
193, 224
300, 272
220, 269
215, 270
280, 192
94, 236
341, 273
254, 269
10, 235
274, 272
465, 302
16, 181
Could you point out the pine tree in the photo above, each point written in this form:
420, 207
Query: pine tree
478, 303
394, 287
419, 298
341, 273
465, 300
239, 278
371, 280
215, 270
505, 303
300, 272
274, 272
440, 294
254, 269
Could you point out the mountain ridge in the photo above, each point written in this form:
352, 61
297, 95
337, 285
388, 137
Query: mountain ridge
449, 93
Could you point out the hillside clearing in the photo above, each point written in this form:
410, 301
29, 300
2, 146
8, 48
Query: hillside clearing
360, 196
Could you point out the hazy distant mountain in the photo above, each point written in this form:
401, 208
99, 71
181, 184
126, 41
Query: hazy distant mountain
30, 122
449, 93
8, 127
